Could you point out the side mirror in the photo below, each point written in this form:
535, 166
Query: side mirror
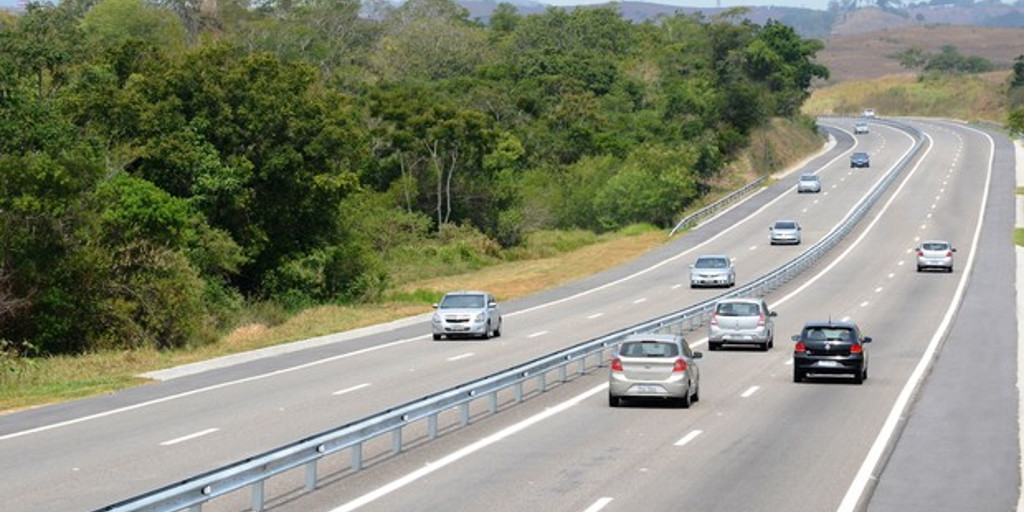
492, 304
796, 337
953, 249
435, 305
772, 313
698, 355
866, 339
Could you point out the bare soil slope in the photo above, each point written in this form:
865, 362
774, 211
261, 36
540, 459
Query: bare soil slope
853, 54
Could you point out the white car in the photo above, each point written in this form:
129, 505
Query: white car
935, 254
654, 367
742, 321
868, 112
860, 128
808, 183
467, 314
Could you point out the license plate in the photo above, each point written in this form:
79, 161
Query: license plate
828, 364
646, 388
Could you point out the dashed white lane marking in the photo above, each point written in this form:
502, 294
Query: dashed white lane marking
689, 437
534, 335
676, 286
460, 356
929, 215
864, 304
753, 247
789, 362
640, 300
846, 319
900, 263
923, 226
750, 391
351, 389
189, 437
878, 290
893, 274
599, 504
595, 315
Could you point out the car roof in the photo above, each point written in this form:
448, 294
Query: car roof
780, 221
466, 292
712, 256
650, 336
830, 323
935, 242
746, 300
808, 175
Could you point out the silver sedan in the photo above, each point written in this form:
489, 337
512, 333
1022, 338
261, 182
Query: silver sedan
712, 270
785, 232
935, 254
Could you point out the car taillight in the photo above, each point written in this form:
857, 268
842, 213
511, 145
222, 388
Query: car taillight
949, 254
920, 253
616, 365
714, 319
760, 320
800, 347
680, 365
856, 348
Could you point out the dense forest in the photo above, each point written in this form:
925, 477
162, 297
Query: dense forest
162, 165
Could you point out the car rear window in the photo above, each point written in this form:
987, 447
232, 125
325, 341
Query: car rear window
785, 225
738, 309
462, 301
934, 247
809, 177
649, 349
828, 334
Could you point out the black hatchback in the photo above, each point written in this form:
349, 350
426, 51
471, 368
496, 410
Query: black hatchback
830, 348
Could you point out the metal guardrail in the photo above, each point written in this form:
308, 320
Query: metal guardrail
192, 493
718, 206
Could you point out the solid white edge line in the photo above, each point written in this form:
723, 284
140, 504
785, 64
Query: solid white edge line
595, 315
688, 437
467, 450
189, 437
599, 504
860, 482
538, 333
351, 389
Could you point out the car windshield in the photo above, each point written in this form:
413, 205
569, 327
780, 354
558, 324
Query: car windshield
712, 263
935, 246
738, 309
828, 334
860, 155
462, 301
785, 225
649, 349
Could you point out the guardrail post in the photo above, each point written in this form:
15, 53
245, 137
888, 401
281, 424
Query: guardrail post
257, 496
357, 457
311, 476
432, 427
493, 399
519, 392
464, 412
396, 441
542, 384
563, 374
583, 365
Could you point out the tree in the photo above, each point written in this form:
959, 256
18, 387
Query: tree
112, 22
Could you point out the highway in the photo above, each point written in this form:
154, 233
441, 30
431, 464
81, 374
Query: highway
756, 441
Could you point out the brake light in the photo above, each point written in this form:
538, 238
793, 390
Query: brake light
760, 320
920, 253
949, 254
680, 365
616, 365
856, 348
714, 319
800, 347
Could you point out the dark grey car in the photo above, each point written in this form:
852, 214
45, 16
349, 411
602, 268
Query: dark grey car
860, 159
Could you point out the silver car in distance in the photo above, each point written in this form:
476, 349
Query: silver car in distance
808, 183
654, 367
785, 232
935, 254
712, 270
468, 314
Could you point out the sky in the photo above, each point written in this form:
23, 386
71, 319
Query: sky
808, 4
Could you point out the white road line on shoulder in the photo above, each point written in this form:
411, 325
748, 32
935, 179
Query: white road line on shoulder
893, 274
879, 289
864, 304
676, 286
599, 504
788, 362
189, 437
351, 389
595, 315
640, 300
468, 450
461, 356
688, 437
540, 333
750, 391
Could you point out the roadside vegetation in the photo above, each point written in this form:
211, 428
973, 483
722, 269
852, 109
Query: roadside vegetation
175, 181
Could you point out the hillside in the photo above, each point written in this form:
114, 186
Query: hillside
851, 54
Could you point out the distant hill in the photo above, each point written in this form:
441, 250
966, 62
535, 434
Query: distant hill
865, 44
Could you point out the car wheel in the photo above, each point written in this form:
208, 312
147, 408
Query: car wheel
713, 346
685, 401
487, 331
696, 393
771, 341
919, 268
798, 376
497, 332
437, 337
949, 270
858, 378
764, 347
614, 401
